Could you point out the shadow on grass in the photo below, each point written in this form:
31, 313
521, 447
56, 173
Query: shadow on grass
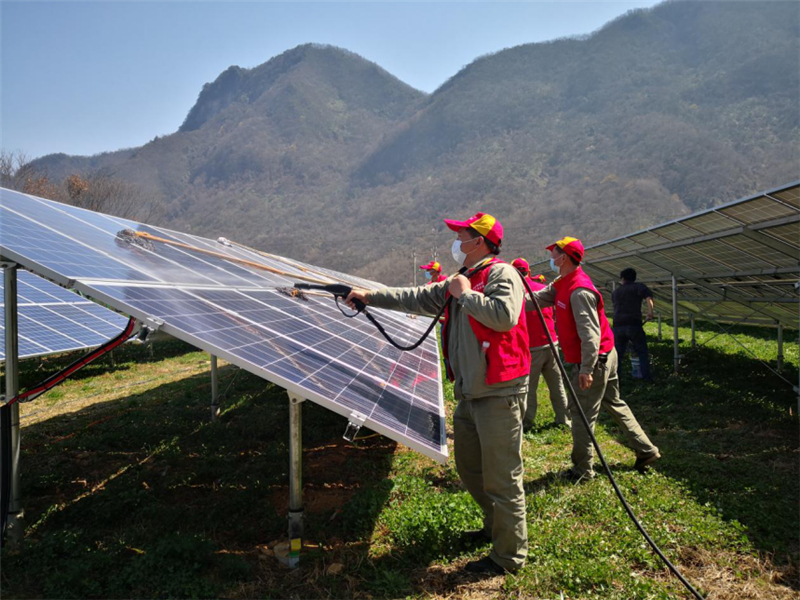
33, 370
728, 429
145, 497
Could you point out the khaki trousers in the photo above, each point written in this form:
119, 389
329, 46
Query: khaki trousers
543, 363
603, 393
488, 452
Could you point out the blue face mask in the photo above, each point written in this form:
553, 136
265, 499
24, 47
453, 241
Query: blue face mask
553, 266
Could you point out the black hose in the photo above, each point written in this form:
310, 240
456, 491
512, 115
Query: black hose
362, 308
425, 335
574, 398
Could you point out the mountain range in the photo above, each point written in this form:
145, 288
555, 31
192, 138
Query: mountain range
324, 156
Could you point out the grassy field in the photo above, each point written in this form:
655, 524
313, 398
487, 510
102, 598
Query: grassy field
131, 492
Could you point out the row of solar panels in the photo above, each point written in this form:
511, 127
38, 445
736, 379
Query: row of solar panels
52, 319
231, 302
733, 262
739, 261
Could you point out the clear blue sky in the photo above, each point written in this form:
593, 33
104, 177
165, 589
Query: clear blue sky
87, 77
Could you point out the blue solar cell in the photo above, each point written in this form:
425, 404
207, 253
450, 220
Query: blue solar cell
52, 319
59, 253
37, 290
300, 347
98, 237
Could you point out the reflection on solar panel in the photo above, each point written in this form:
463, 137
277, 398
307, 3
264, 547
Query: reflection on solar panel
738, 261
211, 295
52, 319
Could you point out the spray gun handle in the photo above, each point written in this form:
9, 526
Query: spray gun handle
339, 290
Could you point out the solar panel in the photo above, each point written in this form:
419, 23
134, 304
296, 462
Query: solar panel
754, 240
226, 299
52, 319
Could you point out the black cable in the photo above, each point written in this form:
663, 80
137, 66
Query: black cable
574, 398
425, 335
386, 335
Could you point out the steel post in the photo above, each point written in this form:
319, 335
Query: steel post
780, 347
214, 389
660, 337
675, 343
295, 479
16, 515
694, 339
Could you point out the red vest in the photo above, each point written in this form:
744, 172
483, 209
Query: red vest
536, 334
507, 354
567, 330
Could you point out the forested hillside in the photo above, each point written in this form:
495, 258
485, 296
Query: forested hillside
324, 156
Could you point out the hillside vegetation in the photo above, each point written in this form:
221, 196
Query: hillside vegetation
322, 155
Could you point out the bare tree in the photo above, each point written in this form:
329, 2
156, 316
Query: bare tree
102, 192
99, 191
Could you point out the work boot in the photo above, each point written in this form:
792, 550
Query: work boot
485, 566
644, 461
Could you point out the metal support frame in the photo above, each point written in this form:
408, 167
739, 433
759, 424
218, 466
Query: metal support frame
214, 388
295, 479
660, 337
699, 281
16, 515
676, 356
694, 339
780, 347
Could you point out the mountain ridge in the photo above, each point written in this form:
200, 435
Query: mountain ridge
658, 113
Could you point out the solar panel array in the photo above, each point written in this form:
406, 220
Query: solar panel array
52, 319
735, 262
206, 293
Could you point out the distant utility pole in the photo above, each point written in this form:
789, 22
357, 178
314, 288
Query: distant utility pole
414, 254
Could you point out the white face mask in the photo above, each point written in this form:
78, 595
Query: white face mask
553, 266
458, 255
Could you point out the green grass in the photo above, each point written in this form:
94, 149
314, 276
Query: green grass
130, 491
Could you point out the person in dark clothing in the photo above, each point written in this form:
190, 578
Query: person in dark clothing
627, 299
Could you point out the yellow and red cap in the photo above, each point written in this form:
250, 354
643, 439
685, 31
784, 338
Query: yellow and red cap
486, 225
432, 266
540, 278
521, 265
571, 246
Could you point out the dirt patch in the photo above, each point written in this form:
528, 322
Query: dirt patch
744, 577
449, 581
317, 499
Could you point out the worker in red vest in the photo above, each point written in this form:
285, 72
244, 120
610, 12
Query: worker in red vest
485, 343
433, 272
588, 344
542, 360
